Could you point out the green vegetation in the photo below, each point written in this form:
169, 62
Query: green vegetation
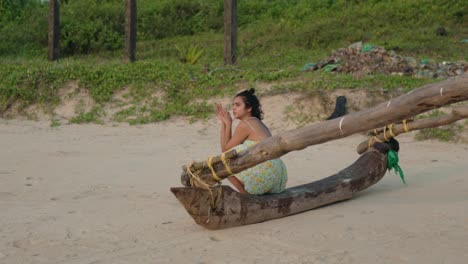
444, 134
189, 55
92, 116
54, 123
320, 80
276, 38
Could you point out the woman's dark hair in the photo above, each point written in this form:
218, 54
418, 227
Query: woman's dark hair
251, 100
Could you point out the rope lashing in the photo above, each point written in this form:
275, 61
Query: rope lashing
194, 177
376, 139
384, 135
405, 126
210, 165
392, 164
390, 129
226, 164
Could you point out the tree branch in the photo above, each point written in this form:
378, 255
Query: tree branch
457, 113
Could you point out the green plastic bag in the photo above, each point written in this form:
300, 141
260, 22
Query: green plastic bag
330, 67
367, 48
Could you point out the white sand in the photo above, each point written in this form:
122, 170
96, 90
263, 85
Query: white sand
100, 194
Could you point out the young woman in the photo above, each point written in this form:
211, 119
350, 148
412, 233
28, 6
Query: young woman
267, 177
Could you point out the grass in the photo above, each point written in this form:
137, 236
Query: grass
93, 116
54, 123
443, 134
319, 81
272, 48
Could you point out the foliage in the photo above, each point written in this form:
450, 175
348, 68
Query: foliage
189, 55
92, 116
276, 38
54, 123
90, 26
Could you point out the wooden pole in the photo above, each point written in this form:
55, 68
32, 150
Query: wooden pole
457, 113
230, 32
426, 98
130, 30
54, 30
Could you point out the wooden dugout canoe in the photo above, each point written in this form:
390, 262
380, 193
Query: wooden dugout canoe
236, 209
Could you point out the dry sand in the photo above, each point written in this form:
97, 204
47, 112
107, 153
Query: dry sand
100, 194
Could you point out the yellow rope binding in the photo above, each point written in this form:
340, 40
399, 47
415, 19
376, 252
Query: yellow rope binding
376, 139
390, 129
209, 163
223, 159
405, 126
194, 177
204, 185
384, 135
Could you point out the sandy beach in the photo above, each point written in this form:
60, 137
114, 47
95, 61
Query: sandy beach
100, 194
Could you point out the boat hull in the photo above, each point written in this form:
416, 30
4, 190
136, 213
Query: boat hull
225, 208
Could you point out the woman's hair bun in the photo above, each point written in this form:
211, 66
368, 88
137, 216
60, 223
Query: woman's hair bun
252, 90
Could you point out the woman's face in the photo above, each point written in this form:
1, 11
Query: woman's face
238, 108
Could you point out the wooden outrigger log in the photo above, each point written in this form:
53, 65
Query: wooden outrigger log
220, 207
232, 208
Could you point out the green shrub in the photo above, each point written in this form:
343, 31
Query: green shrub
92, 26
189, 55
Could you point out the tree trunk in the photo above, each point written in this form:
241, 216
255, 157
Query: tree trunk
54, 30
130, 30
230, 32
429, 97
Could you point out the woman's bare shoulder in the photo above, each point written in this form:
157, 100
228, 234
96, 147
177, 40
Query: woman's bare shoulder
258, 122
242, 126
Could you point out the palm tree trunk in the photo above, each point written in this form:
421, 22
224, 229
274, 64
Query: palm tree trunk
130, 30
54, 30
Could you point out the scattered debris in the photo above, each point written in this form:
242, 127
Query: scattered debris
368, 59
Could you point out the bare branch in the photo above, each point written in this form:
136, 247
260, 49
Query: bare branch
457, 113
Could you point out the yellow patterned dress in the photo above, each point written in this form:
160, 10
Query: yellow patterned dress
267, 177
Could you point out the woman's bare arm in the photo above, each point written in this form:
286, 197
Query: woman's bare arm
226, 131
240, 134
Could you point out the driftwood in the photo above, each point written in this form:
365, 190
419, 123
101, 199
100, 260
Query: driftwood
234, 209
428, 97
457, 113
